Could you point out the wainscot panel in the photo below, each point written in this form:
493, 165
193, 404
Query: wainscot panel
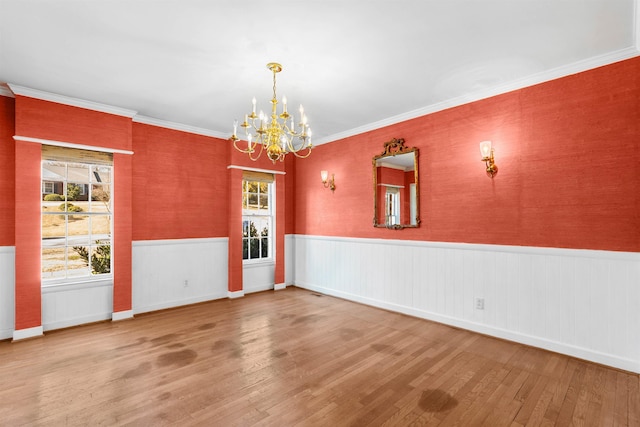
76, 304
170, 273
7, 291
581, 303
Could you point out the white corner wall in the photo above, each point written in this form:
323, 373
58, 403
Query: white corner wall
7, 291
170, 273
581, 303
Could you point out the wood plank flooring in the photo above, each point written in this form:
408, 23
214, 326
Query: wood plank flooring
293, 357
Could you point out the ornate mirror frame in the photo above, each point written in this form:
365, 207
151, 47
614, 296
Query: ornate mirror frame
394, 148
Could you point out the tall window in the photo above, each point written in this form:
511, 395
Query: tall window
257, 216
76, 214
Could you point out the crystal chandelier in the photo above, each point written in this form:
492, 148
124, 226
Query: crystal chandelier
276, 134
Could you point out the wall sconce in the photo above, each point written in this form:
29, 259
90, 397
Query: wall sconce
328, 183
486, 151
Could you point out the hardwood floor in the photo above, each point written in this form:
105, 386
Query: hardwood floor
293, 357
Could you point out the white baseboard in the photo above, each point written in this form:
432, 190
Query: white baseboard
235, 294
578, 352
177, 303
121, 315
22, 334
279, 286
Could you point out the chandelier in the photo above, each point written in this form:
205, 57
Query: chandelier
276, 134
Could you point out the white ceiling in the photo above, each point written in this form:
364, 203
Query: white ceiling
353, 64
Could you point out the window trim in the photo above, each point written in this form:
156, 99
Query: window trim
270, 181
102, 279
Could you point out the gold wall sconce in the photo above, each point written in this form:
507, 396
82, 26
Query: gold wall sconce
486, 151
328, 183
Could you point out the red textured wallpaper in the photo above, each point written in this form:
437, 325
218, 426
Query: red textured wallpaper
27, 264
569, 173
180, 184
122, 231
36, 118
7, 171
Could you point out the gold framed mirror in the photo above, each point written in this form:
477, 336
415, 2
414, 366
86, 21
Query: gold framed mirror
396, 192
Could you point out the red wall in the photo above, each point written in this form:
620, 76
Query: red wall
569, 169
46, 120
180, 184
7, 171
49, 120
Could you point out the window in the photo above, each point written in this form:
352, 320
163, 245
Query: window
76, 215
257, 216
47, 187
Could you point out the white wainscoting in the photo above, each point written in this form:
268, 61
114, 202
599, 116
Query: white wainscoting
76, 304
7, 291
289, 259
170, 273
583, 303
257, 277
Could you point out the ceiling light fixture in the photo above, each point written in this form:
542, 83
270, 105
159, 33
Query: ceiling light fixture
276, 134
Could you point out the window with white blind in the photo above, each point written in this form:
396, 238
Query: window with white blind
257, 216
77, 214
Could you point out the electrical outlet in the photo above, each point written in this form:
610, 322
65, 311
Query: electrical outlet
479, 303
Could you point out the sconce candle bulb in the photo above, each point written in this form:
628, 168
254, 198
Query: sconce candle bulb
328, 183
486, 151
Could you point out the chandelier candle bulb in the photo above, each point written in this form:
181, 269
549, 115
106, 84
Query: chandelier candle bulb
254, 105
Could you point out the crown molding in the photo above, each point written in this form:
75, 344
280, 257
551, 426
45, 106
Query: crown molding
67, 100
5, 91
555, 73
180, 127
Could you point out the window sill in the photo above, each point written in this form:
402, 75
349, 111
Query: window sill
73, 285
258, 263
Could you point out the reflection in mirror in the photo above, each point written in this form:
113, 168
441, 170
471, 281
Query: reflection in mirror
395, 186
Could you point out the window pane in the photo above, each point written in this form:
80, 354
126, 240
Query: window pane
264, 201
253, 231
264, 187
53, 228
253, 201
254, 248
265, 248
100, 198
101, 174
53, 262
78, 173
78, 230
252, 187
100, 227
101, 259
77, 261
245, 248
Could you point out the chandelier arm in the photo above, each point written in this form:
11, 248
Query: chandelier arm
302, 156
253, 151
250, 147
